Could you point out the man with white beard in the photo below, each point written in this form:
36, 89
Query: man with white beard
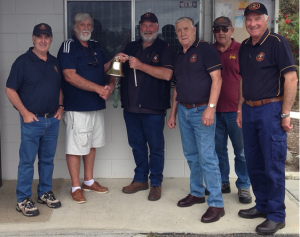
83, 64
145, 97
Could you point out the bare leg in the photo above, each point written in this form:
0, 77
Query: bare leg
73, 162
88, 162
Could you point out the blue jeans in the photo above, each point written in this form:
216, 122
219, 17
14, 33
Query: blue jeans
265, 153
198, 142
226, 125
145, 130
37, 138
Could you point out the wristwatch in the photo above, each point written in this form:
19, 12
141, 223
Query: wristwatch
285, 115
212, 106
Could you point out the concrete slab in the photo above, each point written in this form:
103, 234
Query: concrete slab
292, 186
116, 212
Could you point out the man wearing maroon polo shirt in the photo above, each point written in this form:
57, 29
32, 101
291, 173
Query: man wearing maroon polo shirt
226, 110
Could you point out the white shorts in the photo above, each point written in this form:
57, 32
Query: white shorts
84, 130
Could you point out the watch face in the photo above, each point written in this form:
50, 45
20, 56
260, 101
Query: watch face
211, 105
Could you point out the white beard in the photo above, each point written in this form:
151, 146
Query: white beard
148, 39
81, 36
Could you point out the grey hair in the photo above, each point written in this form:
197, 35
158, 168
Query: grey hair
185, 18
266, 17
81, 16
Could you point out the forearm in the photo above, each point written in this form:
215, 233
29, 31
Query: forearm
215, 87
241, 98
78, 81
157, 72
174, 104
290, 90
15, 100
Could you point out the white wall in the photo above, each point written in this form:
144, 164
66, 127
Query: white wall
115, 159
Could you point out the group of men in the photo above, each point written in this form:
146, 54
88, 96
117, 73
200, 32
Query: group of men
211, 101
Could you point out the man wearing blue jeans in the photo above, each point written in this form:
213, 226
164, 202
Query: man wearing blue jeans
33, 87
226, 109
197, 69
145, 97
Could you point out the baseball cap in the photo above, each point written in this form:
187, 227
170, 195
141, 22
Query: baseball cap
42, 28
148, 16
256, 7
222, 21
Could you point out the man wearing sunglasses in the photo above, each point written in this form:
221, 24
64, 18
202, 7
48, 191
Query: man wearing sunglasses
226, 110
83, 64
267, 92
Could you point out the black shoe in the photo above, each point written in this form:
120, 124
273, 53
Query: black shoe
190, 200
269, 227
226, 188
251, 213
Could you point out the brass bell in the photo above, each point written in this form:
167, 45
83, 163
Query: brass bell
115, 68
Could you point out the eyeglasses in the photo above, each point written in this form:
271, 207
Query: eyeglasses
94, 54
223, 28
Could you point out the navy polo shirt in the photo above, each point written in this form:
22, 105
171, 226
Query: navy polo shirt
263, 65
73, 55
36, 81
191, 70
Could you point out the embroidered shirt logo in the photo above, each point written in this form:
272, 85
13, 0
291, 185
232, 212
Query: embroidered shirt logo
42, 27
260, 57
254, 6
232, 56
155, 58
193, 58
55, 68
147, 15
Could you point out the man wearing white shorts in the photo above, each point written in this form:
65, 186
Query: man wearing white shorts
83, 64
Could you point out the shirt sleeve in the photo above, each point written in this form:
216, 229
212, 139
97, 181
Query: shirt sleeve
67, 55
211, 58
16, 74
167, 58
284, 57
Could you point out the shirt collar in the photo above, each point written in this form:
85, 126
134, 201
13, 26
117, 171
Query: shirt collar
195, 45
261, 40
234, 45
34, 57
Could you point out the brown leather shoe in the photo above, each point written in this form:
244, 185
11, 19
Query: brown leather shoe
190, 200
94, 187
78, 196
135, 187
213, 214
155, 193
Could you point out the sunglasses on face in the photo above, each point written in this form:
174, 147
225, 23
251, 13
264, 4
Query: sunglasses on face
223, 28
95, 63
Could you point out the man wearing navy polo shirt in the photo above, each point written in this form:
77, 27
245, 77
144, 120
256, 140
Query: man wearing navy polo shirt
267, 92
83, 64
33, 87
197, 69
226, 109
145, 97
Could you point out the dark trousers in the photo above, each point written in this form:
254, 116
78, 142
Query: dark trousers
265, 152
145, 130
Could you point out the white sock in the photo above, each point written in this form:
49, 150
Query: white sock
89, 182
75, 188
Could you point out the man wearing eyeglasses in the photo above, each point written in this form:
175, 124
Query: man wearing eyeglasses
226, 110
267, 91
83, 64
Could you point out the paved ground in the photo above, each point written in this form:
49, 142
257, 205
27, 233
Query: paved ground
124, 215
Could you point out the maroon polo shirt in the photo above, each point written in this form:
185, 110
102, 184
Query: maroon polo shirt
229, 94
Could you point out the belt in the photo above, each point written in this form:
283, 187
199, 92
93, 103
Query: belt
263, 101
190, 106
46, 115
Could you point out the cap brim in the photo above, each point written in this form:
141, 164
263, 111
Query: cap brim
256, 11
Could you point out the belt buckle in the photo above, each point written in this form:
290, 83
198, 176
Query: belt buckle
46, 115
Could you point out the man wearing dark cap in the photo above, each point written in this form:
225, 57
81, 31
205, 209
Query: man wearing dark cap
227, 109
33, 87
267, 92
145, 97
